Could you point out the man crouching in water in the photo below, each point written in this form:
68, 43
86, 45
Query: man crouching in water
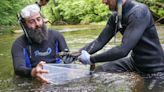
37, 46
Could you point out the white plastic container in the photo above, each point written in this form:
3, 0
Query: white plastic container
64, 73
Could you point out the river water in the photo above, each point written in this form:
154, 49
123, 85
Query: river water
76, 38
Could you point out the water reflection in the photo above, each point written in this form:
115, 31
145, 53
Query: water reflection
101, 82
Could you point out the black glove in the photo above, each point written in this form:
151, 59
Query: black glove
69, 57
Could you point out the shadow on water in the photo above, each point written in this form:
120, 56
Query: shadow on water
99, 82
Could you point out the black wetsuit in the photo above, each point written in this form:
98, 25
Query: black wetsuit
23, 61
139, 36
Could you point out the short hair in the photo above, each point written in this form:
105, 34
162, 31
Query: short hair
29, 10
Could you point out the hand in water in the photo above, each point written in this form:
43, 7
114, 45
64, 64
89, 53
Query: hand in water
38, 71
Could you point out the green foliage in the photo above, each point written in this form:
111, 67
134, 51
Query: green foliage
9, 9
161, 12
76, 11
69, 11
162, 1
66, 11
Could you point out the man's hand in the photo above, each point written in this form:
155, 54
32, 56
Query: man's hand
38, 71
85, 57
69, 57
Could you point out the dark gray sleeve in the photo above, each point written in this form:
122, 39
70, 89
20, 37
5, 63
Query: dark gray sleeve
106, 34
137, 23
19, 60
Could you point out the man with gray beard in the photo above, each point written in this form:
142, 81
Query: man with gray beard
39, 34
36, 46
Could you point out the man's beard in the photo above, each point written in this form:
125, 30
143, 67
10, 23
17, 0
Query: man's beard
39, 34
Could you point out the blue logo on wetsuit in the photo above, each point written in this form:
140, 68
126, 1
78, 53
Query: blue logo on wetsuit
46, 53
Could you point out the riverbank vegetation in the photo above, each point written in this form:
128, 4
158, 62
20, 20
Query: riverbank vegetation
65, 11
58, 11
